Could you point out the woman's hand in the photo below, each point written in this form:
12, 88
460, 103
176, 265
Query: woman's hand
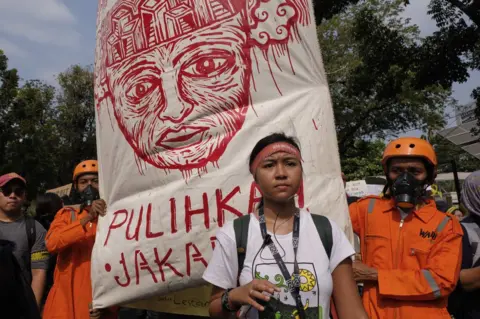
251, 292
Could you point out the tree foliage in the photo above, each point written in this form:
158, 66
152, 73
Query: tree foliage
8, 91
76, 116
369, 164
44, 131
326, 9
370, 56
454, 49
31, 150
385, 79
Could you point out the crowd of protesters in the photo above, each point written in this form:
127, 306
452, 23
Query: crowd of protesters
413, 258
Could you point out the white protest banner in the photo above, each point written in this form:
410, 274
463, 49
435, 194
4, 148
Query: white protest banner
357, 188
375, 189
184, 90
360, 189
62, 190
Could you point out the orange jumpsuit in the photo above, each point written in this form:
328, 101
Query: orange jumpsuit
418, 259
71, 293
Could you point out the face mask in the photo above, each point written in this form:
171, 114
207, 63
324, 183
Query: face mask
88, 195
406, 189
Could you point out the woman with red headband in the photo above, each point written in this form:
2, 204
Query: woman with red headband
289, 270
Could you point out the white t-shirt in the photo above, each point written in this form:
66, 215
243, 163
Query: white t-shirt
315, 268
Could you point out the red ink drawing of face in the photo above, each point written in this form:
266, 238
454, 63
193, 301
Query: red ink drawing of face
179, 104
178, 74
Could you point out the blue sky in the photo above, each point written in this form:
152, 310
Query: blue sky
44, 37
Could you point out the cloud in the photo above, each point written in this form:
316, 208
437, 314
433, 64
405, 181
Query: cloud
45, 34
11, 49
43, 21
41, 10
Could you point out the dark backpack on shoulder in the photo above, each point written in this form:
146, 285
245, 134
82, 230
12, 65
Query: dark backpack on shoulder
16, 296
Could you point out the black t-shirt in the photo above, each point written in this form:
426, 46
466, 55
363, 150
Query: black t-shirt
463, 304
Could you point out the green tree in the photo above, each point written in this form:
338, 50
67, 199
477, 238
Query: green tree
456, 45
76, 119
32, 150
385, 79
8, 91
370, 59
369, 164
326, 9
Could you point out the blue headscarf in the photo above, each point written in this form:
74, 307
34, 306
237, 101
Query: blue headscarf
471, 193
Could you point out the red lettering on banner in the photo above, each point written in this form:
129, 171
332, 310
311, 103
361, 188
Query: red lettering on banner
113, 225
212, 242
301, 196
162, 263
197, 256
137, 229
149, 233
124, 264
253, 199
173, 215
142, 265
222, 205
189, 212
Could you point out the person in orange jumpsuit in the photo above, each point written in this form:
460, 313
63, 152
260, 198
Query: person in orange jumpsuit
411, 252
71, 236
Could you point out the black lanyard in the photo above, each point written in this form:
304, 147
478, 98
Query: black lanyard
293, 285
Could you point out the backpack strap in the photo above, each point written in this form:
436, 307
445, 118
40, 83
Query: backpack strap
324, 229
240, 226
31, 231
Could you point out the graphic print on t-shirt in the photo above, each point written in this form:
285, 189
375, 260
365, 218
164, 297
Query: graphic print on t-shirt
282, 305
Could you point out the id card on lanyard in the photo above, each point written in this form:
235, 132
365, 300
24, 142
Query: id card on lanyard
293, 280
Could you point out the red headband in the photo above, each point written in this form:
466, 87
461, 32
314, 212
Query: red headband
272, 149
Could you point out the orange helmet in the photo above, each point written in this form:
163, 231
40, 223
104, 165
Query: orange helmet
85, 167
410, 147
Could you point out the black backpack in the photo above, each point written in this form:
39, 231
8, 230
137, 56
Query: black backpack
16, 296
240, 226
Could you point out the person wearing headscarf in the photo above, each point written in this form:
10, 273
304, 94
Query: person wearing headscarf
463, 303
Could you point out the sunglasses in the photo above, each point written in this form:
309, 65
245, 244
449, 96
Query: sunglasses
8, 190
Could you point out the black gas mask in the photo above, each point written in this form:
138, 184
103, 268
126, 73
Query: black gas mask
88, 195
406, 190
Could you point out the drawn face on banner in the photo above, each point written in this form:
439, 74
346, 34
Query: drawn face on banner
178, 72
